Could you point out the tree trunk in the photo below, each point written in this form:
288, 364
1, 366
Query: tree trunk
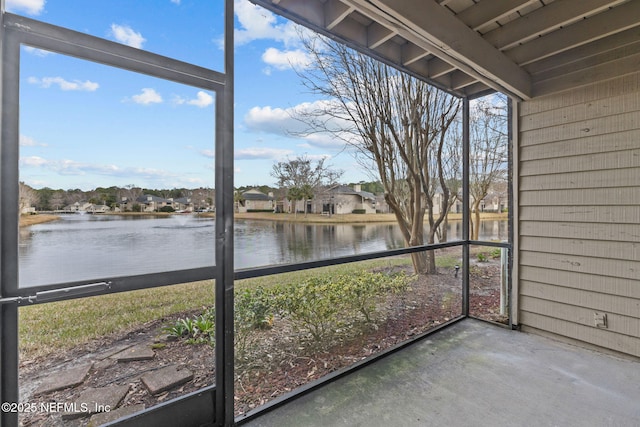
474, 218
431, 255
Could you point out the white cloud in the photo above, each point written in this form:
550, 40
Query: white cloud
36, 51
63, 84
72, 167
202, 100
283, 122
33, 161
257, 23
26, 141
147, 97
253, 153
271, 120
175, 2
31, 7
208, 153
283, 60
126, 35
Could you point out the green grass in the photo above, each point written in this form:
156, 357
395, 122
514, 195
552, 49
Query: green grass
48, 328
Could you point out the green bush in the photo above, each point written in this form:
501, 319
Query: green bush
253, 309
318, 306
313, 304
359, 211
322, 305
166, 209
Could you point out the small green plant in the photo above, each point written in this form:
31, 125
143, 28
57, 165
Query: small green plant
178, 329
482, 257
496, 253
197, 330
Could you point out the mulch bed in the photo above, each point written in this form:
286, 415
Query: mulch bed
278, 360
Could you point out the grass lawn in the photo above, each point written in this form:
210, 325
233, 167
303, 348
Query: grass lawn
59, 326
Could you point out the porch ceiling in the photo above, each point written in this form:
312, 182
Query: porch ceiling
469, 47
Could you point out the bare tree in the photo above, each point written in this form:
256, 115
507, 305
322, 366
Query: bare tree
27, 197
129, 194
487, 152
302, 177
398, 126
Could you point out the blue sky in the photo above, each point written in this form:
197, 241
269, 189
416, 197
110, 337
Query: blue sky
85, 125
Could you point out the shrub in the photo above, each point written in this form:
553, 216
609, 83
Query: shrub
322, 305
359, 211
362, 292
253, 309
166, 209
312, 304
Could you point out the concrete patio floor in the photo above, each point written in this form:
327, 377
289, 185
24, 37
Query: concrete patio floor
476, 374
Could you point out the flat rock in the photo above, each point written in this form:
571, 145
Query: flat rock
166, 378
94, 400
107, 417
66, 378
137, 352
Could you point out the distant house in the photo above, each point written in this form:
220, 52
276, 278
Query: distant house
255, 200
152, 203
342, 199
87, 207
497, 199
183, 204
99, 209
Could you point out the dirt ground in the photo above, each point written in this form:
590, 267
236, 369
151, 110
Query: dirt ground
276, 361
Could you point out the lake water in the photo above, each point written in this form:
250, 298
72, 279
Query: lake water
90, 247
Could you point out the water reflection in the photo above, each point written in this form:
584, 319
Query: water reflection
89, 247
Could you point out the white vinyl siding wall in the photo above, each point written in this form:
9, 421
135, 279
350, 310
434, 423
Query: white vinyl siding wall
579, 213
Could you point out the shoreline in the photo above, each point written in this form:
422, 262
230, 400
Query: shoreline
348, 218
27, 220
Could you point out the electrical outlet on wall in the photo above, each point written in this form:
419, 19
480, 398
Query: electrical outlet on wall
600, 320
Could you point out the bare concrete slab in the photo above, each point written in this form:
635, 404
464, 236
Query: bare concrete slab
137, 352
471, 374
66, 378
94, 400
166, 378
107, 417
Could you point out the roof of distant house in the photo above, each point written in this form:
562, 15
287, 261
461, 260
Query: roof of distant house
345, 189
255, 194
150, 198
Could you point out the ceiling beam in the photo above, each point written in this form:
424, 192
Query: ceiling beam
597, 27
412, 53
484, 12
378, 35
441, 28
553, 15
335, 12
584, 53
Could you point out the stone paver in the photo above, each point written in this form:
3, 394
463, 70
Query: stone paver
64, 379
107, 417
138, 352
94, 400
166, 378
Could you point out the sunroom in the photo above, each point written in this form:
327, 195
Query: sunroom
569, 266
